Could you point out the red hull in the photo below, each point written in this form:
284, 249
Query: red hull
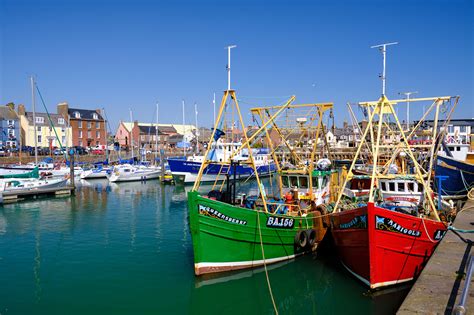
383, 247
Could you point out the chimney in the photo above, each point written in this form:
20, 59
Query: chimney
63, 109
345, 124
21, 110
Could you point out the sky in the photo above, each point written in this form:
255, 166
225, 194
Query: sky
122, 55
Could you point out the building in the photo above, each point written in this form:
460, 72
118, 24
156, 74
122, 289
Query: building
143, 135
87, 126
10, 126
51, 131
459, 130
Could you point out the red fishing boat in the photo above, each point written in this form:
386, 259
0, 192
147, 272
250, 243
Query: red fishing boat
382, 247
383, 242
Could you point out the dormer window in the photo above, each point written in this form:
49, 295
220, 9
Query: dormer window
77, 114
95, 116
61, 121
40, 120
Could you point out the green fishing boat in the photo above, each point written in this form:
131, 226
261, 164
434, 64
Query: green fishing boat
233, 231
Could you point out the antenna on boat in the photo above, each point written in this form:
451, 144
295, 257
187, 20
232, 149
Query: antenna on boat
131, 128
407, 94
228, 65
383, 49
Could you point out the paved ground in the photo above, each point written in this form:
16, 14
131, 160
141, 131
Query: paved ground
438, 289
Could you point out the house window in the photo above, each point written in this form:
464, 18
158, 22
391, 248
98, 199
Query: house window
63, 130
40, 120
39, 139
61, 121
79, 124
63, 139
80, 143
11, 133
97, 143
38, 128
11, 122
462, 129
89, 124
77, 115
80, 133
50, 129
97, 134
95, 116
450, 129
89, 134
98, 125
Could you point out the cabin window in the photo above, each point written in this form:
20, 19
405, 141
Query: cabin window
420, 187
391, 186
411, 187
284, 181
315, 182
303, 182
401, 186
126, 170
458, 148
325, 180
293, 181
382, 184
451, 148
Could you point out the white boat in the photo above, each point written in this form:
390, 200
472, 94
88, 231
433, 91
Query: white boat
62, 172
22, 184
95, 173
18, 169
128, 173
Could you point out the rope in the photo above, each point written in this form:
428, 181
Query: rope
452, 228
265, 264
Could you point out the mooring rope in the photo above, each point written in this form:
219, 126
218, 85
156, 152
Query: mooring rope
265, 265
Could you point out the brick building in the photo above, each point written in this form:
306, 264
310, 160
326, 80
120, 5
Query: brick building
87, 126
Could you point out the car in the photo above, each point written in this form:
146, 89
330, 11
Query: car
59, 151
97, 152
80, 150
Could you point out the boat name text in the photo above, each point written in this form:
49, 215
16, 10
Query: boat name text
386, 224
213, 213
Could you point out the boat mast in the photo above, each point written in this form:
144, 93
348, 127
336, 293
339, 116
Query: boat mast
214, 106
184, 132
383, 49
228, 65
156, 136
34, 117
197, 129
131, 131
407, 94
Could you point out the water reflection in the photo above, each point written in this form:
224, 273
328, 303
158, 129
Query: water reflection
126, 248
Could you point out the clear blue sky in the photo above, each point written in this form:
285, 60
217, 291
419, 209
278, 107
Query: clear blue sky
122, 54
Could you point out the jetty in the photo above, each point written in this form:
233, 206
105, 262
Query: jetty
15, 196
440, 286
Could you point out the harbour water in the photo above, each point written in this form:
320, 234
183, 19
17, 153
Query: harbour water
127, 249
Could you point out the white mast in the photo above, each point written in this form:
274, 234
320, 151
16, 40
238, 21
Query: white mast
157, 126
383, 49
407, 94
131, 131
197, 129
214, 106
34, 117
228, 65
184, 132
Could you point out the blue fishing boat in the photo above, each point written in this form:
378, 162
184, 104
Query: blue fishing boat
460, 176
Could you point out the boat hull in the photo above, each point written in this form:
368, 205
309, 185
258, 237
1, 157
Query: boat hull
460, 176
227, 237
138, 176
382, 247
184, 171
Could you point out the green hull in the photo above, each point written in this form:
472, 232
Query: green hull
227, 237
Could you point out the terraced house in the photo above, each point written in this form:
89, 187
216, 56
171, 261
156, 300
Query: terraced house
9, 126
51, 130
87, 126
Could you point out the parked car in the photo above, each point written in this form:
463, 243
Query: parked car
97, 152
59, 151
80, 150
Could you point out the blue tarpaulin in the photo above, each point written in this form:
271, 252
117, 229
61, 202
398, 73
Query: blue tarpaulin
183, 144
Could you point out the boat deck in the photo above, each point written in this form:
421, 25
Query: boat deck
440, 285
15, 196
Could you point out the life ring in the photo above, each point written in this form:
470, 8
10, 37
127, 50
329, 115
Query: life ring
301, 239
311, 235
